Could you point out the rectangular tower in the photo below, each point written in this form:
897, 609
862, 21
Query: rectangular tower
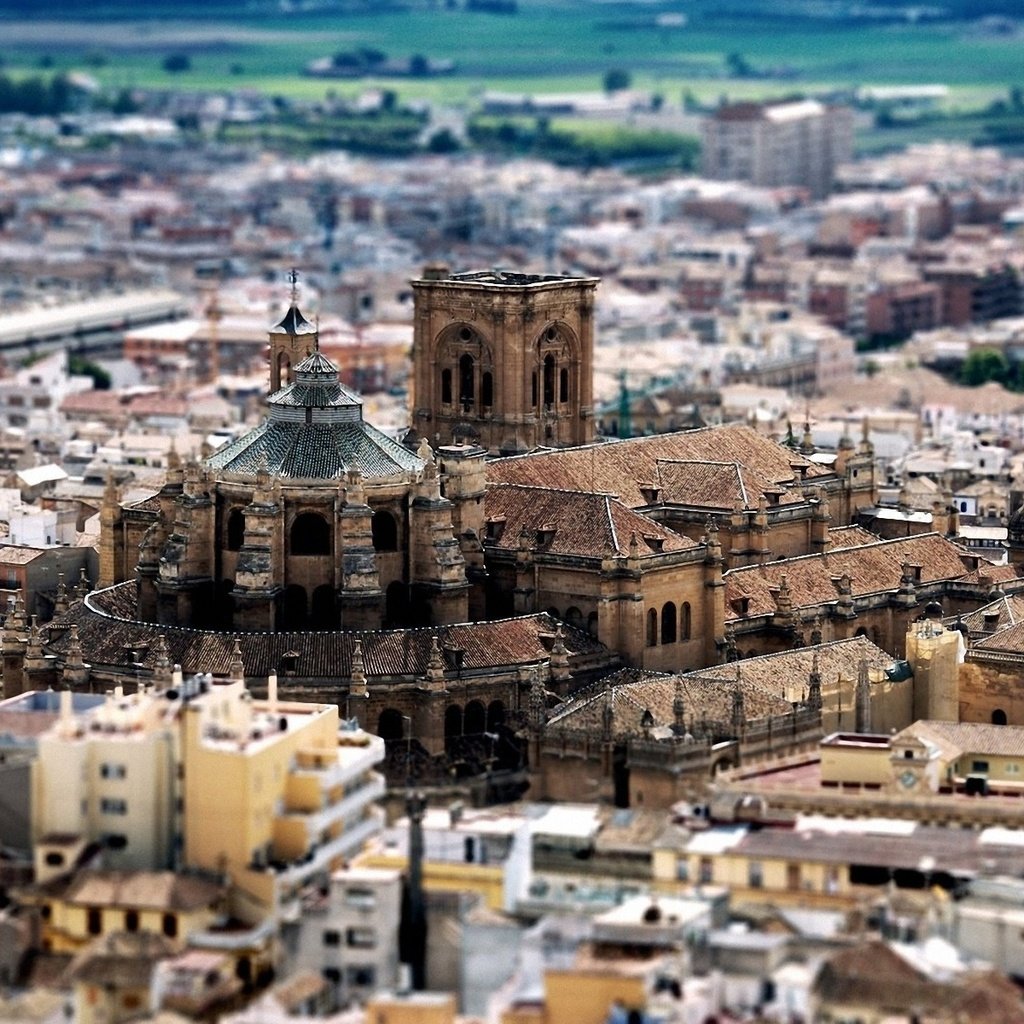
503, 359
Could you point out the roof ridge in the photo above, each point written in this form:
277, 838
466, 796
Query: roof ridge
497, 484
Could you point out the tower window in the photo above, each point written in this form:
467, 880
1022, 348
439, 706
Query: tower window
236, 529
310, 535
446, 387
385, 531
487, 390
549, 380
466, 380
533, 392
563, 385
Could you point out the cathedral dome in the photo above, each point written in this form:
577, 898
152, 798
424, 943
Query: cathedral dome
314, 431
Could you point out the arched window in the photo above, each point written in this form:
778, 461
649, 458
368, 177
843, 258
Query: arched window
384, 530
293, 610
452, 722
391, 725
533, 389
593, 624
446, 387
324, 614
467, 380
652, 628
574, 617
563, 385
475, 720
311, 535
284, 368
999, 717
495, 715
684, 621
487, 390
549, 379
668, 623
236, 529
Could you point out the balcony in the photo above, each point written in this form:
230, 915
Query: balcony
316, 821
345, 845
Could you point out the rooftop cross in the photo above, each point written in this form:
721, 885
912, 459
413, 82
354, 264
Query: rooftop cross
293, 277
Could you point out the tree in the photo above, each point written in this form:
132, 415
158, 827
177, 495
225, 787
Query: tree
443, 141
176, 63
419, 65
616, 79
738, 65
983, 365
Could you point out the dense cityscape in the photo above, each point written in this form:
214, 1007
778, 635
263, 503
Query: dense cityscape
550, 556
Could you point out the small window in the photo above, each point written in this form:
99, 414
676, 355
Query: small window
169, 926
979, 766
332, 937
361, 938
446, 387
94, 921
362, 977
706, 871
112, 805
54, 859
487, 390
755, 874
563, 385
131, 920
652, 628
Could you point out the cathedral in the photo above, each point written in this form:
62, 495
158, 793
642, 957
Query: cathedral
450, 589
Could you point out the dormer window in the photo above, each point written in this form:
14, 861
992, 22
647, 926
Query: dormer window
495, 527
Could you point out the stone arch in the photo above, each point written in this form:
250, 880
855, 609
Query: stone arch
474, 719
324, 608
574, 617
391, 724
294, 608
557, 368
384, 529
685, 621
495, 715
235, 529
862, 631
310, 535
284, 368
452, 723
668, 623
396, 604
998, 716
593, 624
464, 358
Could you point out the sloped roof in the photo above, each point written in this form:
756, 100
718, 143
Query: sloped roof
872, 569
623, 467
716, 485
584, 524
108, 633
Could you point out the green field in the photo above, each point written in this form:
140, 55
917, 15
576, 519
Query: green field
550, 45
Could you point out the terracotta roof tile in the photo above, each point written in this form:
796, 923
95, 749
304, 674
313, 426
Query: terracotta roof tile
715, 485
872, 569
624, 467
584, 524
109, 634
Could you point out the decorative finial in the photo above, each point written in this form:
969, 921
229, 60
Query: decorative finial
293, 277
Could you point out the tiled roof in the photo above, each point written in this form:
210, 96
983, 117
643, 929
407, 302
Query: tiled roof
999, 614
581, 523
1007, 641
16, 554
971, 737
315, 451
108, 634
702, 697
872, 569
786, 672
851, 536
715, 485
624, 467
293, 322
156, 890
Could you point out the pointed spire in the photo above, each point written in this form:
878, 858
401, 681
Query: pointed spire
76, 672
537, 703
293, 279
236, 668
60, 604
738, 713
678, 705
807, 441
814, 685
357, 676
161, 663
84, 586
435, 666
862, 699
559, 661
816, 631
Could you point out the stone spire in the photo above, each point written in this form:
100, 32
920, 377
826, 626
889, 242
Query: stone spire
60, 604
236, 668
435, 666
679, 706
814, 685
84, 586
739, 717
162, 666
816, 631
862, 699
357, 675
559, 661
76, 672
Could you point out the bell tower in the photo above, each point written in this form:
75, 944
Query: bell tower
291, 340
504, 360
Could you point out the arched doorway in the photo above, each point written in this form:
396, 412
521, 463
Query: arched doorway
294, 608
474, 721
310, 535
235, 529
324, 613
385, 531
391, 725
